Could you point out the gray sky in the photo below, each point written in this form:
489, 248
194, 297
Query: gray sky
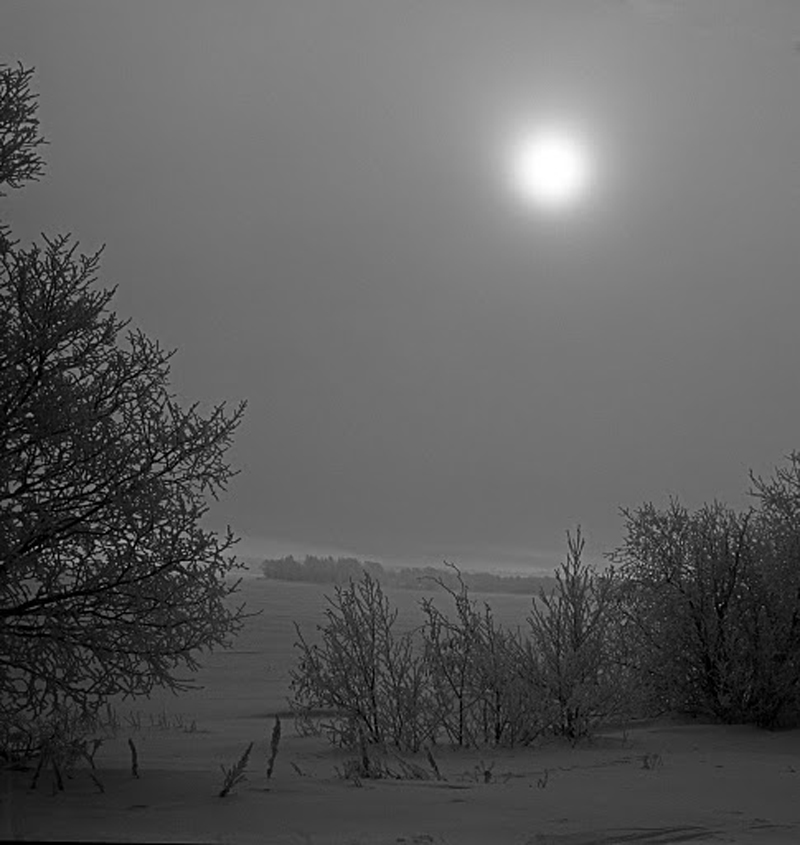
305, 198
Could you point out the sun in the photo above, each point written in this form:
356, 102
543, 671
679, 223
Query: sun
550, 167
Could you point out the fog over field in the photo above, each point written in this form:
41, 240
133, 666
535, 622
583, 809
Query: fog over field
483, 271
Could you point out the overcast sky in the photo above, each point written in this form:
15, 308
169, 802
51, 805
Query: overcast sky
308, 199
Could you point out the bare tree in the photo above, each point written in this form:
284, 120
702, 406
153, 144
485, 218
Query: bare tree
109, 583
20, 140
20, 161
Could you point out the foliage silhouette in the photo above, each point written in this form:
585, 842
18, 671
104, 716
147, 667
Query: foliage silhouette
109, 584
712, 604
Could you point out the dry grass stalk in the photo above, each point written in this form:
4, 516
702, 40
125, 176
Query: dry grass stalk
38, 770
89, 755
362, 745
134, 758
58, 779
351, 770
236, 773
134, 720
434, 765
276, 738
409, 770
61, 753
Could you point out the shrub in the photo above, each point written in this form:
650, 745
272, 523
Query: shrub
450, 647
683, 573
772, 613
713, 601
574, 648
461, 675
477, 672
370, 681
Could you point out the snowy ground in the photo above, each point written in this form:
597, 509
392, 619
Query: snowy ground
656, 784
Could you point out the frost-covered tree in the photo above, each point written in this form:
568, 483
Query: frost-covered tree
109, 583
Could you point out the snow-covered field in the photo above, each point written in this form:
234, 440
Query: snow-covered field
654, 783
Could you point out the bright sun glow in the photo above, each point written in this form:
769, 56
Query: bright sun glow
550, 168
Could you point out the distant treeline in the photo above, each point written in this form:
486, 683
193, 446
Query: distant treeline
327, 570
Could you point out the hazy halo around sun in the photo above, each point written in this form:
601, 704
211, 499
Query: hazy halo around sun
549, 167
